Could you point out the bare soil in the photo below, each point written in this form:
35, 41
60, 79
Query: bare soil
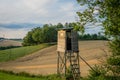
45, 61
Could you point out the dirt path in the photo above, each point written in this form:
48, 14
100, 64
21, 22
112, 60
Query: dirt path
44, 61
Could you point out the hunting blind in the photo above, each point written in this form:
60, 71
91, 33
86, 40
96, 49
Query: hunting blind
67, 40
68, 53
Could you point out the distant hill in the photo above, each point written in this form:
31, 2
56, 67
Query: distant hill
5, 43
19, 39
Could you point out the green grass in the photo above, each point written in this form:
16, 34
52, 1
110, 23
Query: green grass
5, 76
14, 53
9, 75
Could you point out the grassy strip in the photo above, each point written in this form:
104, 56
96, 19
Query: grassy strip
14, 53
8, 47
4, 76
9, 75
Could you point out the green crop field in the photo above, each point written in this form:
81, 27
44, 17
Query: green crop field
14, 53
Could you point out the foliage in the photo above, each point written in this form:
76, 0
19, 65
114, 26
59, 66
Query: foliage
28, 40
99, 73
9, 75
98, 70
115, 47
69, 74
106, 12
92, 37
14, 53
48, 33
115, 60
45, 34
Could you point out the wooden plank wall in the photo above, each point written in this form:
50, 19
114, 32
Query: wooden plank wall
74, 41
61, 45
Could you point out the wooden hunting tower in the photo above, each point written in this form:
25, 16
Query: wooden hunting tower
68, 53
67, 40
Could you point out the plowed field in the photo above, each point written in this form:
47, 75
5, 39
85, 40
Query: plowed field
45, 61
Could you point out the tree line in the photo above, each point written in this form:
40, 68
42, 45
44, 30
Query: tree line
48, 33
38, 35
92, 37
43, 34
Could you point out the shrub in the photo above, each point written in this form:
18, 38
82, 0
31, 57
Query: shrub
114, 60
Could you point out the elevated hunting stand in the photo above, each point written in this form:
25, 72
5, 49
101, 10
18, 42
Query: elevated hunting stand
68, 53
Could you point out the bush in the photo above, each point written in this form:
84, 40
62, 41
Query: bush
100, 73
114, 60
97, 74
69, 75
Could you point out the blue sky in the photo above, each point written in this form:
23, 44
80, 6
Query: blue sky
34, 12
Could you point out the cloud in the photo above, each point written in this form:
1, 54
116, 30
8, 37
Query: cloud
21, 11
94, 30
37, 11
16, 33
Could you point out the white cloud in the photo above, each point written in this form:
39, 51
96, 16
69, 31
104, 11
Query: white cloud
38, 6
36, 11
21, 11
67, 7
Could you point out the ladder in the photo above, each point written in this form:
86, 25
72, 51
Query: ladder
74, 65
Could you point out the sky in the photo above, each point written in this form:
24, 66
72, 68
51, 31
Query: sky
35, 12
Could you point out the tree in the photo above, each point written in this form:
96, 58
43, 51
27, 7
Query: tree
28, 40
50, 33
59, 25
92, 37
45, 34
106, 12
37, 35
